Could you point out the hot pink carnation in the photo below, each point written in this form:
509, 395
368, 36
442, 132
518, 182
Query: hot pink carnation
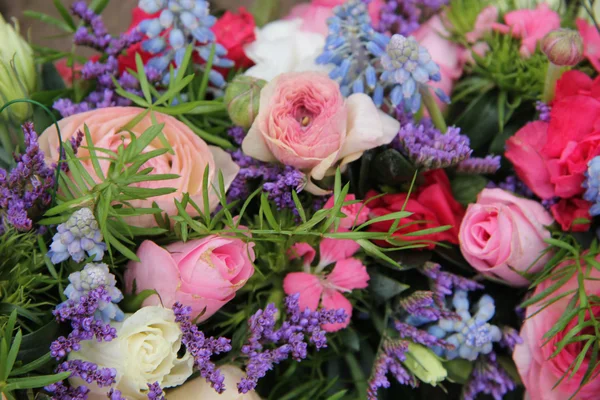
317, 287
539, 371
356, 214
591, 42
203, 274
530, 26
305, 122
483, 24
502, 233
192, 155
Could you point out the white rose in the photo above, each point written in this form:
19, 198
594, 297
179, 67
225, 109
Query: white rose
145, 351
281, 47
199, 389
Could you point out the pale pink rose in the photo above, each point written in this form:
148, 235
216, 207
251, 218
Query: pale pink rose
316, 287
305, 122
356, 213
530, 26
591, 42
315, 14
203, 273
448, 55
483, 24
503, 233
538, 369
192, 155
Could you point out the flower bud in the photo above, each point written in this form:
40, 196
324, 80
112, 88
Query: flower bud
424, 364
242, 99
17, 70
564, 47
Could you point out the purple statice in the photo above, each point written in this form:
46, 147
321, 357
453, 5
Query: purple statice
27, 189
403, 16
389, 360
510, 338
479, 166
444, 283
75, 142
544, 110
155, 392
425, 305
201, 347
289, 340
488, 378
513, 184
62, 391
419, 336
88, 372
280, 189
428, 148
115, 394
84, 325
93, 34
237, 133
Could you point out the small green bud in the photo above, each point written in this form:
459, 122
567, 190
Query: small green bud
242, 99
563, 47
424, 364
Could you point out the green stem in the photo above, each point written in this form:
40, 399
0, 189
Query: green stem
552, 76
434, 110
5, 141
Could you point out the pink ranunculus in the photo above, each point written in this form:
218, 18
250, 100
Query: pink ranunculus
538, 369
203, 273
356, 214
591, 42
502, 233
316, 287
315, 14
191, 155
530, 26
483, 24
305, 122
448, 55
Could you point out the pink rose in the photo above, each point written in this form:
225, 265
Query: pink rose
356, 213
539, 371
305, 122
192, 155
483, 24
530, 26
203, 273
448, 55
314, 15
502, 233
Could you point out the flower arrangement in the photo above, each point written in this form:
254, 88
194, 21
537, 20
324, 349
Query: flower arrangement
363, 199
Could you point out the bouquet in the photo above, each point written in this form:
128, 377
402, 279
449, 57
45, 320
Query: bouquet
362, 199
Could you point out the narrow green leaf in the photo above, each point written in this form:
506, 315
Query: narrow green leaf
268, 212
48, 20
12, 355
35, 381
32, 366
142, 78
205, 76
92, 151
64, 13
299, 206
375, 251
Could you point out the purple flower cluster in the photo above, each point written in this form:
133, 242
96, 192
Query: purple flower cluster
389, 360
26, 189
444, 283
75, 142
419, 336
277, 180
488, 378
201, 347
428, 148
513, 184
289, 339
155, 392
478, 166
426, 305
544, 110
93, 34
510, 338
83, 323
403, 16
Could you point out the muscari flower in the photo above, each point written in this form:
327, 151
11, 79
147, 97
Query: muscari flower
80, 234
91, 277
592, 185
471, 335
180, 23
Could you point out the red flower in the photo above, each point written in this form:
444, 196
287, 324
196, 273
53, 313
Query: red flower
572, 214
432, 205
234, 31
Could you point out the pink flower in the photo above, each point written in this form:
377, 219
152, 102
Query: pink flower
448, 55
315, 14
356, 213
192, 155
68, 74
483, 24
326, 289
502, 233
530, 26
591, 42
538, 369
203, 273
304, 121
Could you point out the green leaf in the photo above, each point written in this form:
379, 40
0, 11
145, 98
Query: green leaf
98, 5
459, 370
48, 20
206, 75
299, 206
65, 14
391, 168
33, 366
12, 355
389, 217
133, 302
264, 11
268, 212
376, 252
465, 188
384, 288
35, 381
93, 156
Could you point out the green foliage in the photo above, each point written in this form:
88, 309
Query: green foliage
465, 188
461, 15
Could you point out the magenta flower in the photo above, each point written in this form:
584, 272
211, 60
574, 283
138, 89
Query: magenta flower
316, 287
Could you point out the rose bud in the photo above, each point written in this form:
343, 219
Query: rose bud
564, 47
242, 99
425, 364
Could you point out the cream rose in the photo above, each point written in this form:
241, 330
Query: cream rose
199, 389
145, 351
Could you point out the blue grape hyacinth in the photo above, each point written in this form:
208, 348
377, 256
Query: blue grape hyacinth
472, 335
592, 185
180, 23
76, 237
